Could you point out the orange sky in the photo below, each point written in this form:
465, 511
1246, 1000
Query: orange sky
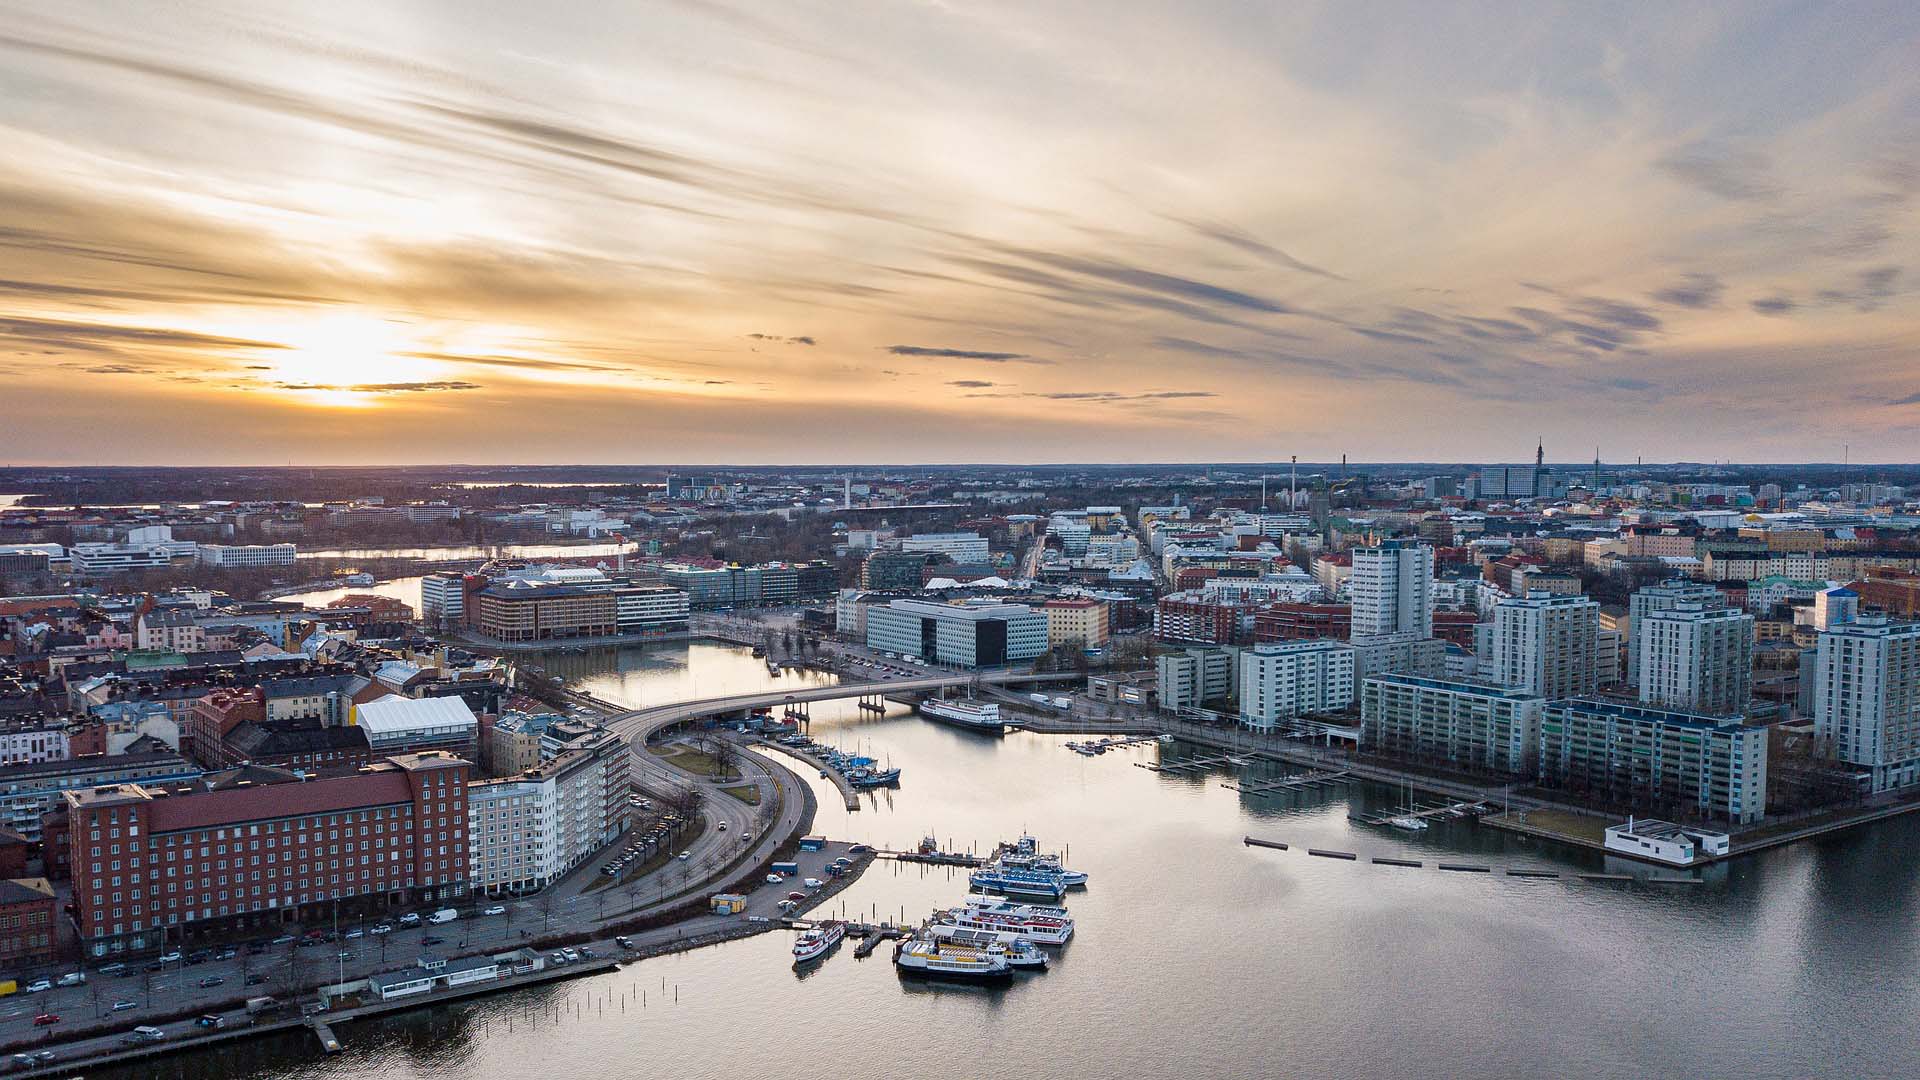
688, 231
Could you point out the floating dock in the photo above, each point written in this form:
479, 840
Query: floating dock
1194, 765
1319, 778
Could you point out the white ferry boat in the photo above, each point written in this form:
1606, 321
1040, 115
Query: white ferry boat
984, 902
815, 943
932, 958
1048, 885
1022, 954
972, 715
1039, 929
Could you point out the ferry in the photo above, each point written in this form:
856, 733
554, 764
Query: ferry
817, 942
983, 902
1037, 929
1025, 855
1016, 882
931, 958
1022, 954
972, 715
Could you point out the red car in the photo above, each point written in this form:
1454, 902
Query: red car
796, 896
46, 1018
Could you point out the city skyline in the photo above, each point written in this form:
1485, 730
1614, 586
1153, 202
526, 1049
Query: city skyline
693, 232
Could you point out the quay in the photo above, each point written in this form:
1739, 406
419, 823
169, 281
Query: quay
840, 782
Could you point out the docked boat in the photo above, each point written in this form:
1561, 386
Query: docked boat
817, 942
1013, 881
1408, 822
1022, 954
864, 777
932, 958
1040, 930
982, 902
1025, 855
972, 715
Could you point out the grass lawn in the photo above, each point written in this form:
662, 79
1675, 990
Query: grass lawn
698, 762
746, 793
654, 862
1582, 826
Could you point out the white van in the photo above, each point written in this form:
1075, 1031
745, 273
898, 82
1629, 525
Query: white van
146, 1034
444, 915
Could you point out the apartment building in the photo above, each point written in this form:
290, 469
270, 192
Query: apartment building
1658, 762
1470, 726
1278, 681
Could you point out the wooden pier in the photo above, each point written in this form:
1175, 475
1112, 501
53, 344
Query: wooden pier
1468, 809
1317, 779
1193, 765
325, 1034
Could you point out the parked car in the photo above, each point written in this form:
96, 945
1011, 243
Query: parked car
254, 978
38, 986
796, 897
556, 959
411, 918
283, 939
174, 957
124, 1004
571, 954
623, 941
774, 879
382, 928
813, 883
354, 933
211, 981
497, 909
73, 978
859, 849
113, 970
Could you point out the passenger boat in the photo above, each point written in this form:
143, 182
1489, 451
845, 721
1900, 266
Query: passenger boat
931, 958
982, 902
1025, 855
815, 943
972, 715
1038, 929
1022, 954
1045, 884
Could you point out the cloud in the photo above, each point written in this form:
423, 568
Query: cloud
1729, 172
1869, 290
1773, 305
1391, 336
802, 340
1239, 238
960, 354
973, 384
505, 361
1693, 291
91, 335
430, 387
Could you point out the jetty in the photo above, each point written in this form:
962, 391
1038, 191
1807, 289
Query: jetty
1435, 811
1193, 765
1312, 780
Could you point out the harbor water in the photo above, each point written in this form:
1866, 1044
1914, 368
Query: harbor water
1198, 956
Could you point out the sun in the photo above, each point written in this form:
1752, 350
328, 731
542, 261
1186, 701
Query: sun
346, 361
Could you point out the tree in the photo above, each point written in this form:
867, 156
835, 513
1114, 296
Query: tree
726, 759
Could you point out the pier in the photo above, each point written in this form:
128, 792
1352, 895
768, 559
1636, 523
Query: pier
1313, 780
325, 1034
1464, 809
1193, 765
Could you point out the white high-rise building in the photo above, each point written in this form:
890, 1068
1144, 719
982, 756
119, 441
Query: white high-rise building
1866, 698
1392, 590
1835, 606
1695, 659
1660, 597
1544, 643
961, 547
1293, 678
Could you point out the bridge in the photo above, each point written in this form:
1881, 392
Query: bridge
639, 725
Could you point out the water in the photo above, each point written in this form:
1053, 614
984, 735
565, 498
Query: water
402, 588
457, 553
1197, 956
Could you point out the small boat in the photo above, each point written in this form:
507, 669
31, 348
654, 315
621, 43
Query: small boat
817, 942
1407, 822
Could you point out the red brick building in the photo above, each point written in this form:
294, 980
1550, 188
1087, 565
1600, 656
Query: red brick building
1456, 627
213, 717
27, 933
259, 846
1183, 618
14, 852
1302, 622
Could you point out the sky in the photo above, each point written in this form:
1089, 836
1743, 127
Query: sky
427, 231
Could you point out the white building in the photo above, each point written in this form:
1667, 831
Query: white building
443, 600
958, 546
1659, 598
1866, 699
525, 831
650, 608
1468, 725
1695, 659
1835, 606
245, 556
438, 723
1392, 590
1292, 679
1190, 677
1544, 643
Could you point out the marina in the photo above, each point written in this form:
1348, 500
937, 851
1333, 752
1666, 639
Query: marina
1194, 765
1318, 778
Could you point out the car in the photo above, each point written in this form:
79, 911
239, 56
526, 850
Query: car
211, 981
38, 986
283, 939
354, 933
774, 879
24, 1061
43, 1056
211, 1020
46, 1019
72, 978
758, 918
227, 954
723, 826
343, 954
623, 941
113, 970
610, 871
684, 856
433, 940
813, 883
411, 918
173, 957
859, 849
497, 909
254, 978
587, 953
124, 1004
381, 928
556, 958
571, 954
796, 896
